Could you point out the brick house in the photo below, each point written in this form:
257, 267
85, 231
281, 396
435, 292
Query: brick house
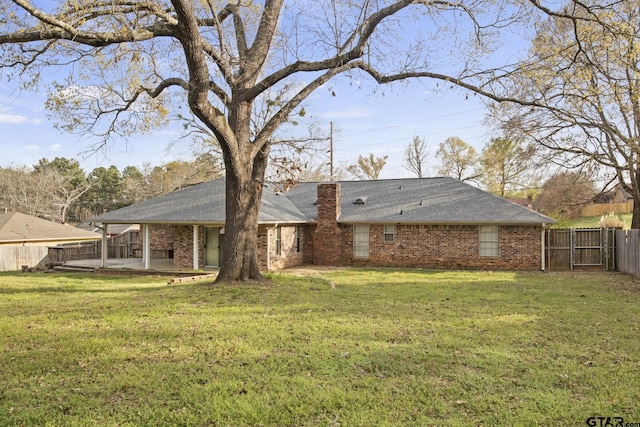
413, 222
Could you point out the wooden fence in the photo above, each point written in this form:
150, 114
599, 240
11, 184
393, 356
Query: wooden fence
12, 258
125, 245
567, 249
628, 251
601, 209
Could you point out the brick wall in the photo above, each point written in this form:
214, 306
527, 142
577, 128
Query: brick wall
289, 256
161, 240
290, 253
447, 246
183, 246
327, 239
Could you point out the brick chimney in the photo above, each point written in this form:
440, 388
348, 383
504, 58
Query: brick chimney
327, 240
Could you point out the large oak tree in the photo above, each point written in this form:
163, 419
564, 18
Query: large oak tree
129, 65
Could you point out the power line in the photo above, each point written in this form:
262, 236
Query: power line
442, 116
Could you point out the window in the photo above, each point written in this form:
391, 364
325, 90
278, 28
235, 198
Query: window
361, 241
488, 240
298, 238
278, 240
389, 233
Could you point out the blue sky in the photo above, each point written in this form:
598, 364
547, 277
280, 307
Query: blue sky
382, 123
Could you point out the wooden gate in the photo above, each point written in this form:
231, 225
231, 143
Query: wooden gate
567, 249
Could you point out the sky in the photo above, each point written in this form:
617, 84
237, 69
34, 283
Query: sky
383, 123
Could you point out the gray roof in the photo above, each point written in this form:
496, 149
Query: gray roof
441, 200
199, 204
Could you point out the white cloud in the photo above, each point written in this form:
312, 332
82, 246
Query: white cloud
12, 119
31, 147
55, 147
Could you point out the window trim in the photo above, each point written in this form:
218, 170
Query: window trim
488, 241
278, 240
389, 236
360, 247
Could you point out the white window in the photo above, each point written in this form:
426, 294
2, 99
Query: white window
389, 233
361, 241
488, 240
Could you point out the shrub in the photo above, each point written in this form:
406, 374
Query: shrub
611, 220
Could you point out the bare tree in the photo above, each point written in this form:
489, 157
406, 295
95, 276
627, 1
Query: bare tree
458, 160
565, 191
45, 192
367, 168
583, 86
127, 63
415, 156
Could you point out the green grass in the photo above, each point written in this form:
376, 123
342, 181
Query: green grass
385, 347
591, 222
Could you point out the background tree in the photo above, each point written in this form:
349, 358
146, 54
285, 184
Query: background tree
507, 166
584, 67
367, 168
458, 160
128, 61
50, 190
565, 191
133, 185
67, 184
415, 156
106, 191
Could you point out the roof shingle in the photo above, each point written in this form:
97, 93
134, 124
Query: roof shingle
441, 200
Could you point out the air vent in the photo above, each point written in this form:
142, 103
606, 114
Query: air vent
362, 200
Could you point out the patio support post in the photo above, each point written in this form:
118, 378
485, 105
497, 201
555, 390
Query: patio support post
543, 248
146, 250
195, 248
104, 247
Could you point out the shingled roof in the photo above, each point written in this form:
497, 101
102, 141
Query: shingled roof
441, 200
199, 204
19, 227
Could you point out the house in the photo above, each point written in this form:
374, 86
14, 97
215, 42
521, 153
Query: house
113, 230
25, 240
415, 222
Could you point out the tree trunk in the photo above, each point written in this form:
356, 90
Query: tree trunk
240, 259
243, 195
635, 191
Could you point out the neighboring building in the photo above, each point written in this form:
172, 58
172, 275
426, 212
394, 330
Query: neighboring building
415, 222
25, 240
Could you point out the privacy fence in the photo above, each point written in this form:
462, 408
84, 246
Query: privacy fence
593, 248
584, 248
628, 251
125, 245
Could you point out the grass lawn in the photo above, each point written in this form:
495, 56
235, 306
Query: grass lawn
385, 347
592, 222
